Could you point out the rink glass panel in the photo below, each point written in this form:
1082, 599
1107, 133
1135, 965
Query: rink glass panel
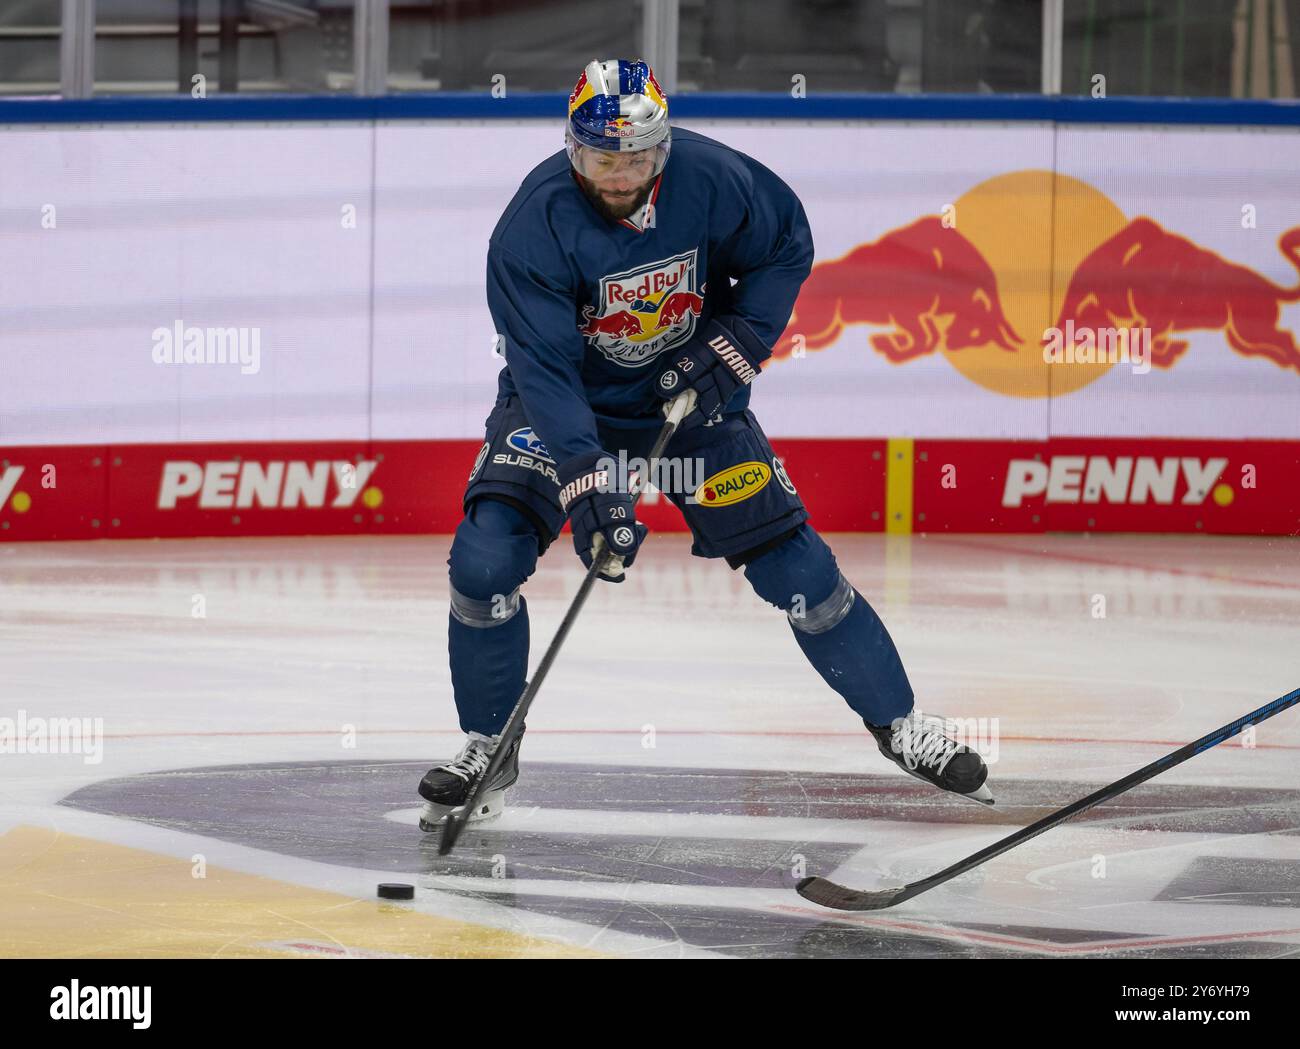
29, 48
439, 45
159, 46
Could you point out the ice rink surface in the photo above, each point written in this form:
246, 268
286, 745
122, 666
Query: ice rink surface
269, 705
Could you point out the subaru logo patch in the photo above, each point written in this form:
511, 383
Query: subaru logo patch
524, 440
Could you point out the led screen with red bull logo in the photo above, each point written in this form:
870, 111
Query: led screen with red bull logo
1005, 286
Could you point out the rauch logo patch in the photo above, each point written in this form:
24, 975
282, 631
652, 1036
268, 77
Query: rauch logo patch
734, 484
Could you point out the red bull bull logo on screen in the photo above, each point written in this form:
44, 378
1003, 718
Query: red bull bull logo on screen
926, 282
642, 312
1147, 277
1035, 284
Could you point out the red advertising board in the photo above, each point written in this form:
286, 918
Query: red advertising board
1076, 484
414, 487
333, 487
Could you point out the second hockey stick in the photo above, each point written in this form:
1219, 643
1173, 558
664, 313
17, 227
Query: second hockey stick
840, 898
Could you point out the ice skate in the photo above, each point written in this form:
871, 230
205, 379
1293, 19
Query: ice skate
917, 744
448, 786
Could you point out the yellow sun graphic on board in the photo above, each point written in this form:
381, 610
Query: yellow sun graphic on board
980, 283
1033, 228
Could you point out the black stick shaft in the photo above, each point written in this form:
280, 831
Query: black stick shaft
1213, 739
514, 724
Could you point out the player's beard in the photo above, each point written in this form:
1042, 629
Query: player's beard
616, 211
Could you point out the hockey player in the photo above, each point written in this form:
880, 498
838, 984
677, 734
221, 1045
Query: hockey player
617, 278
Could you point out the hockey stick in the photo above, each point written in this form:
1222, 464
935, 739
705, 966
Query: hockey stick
677, 410
838, 897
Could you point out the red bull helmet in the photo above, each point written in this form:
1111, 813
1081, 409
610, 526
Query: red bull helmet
618, 118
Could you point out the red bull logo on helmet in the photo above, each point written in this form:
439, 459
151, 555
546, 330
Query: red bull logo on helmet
641, 313
581, 92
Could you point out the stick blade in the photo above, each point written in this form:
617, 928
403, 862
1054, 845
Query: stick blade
451, 829
839, 898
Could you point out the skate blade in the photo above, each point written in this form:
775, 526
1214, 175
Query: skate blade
982, 796
490, 806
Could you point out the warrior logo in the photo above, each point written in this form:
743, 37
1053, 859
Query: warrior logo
478, 461
645, 311
778, 468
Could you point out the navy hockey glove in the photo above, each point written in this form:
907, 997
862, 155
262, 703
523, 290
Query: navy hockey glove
599, 517
715, 363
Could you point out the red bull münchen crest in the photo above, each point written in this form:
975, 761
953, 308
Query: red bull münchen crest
644, 311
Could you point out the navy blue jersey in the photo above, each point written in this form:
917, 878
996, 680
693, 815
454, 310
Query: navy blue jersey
588, 307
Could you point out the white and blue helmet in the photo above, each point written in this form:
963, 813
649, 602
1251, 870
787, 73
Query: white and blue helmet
617, 107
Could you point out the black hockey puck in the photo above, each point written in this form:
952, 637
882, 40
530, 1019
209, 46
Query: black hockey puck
396, 890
